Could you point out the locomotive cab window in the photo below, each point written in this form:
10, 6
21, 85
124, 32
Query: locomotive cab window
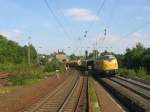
109, 57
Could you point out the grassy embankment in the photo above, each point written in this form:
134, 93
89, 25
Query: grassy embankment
94, 105
24, 74
140, 74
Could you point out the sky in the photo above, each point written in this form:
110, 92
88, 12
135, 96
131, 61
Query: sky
124, 21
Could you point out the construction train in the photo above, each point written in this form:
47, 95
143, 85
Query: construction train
104, 64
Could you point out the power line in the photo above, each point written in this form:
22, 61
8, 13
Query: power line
56, 18
101, 6
138, 28
109, 23
92, 23
61, 7
98, 12
112, 14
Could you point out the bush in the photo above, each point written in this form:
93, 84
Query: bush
131, 73
141, 72
127, 72
26, 75
54, 65
25, 78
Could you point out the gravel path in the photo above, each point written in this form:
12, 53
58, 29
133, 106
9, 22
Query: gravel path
107, 103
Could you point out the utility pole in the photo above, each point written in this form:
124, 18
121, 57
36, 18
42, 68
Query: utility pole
38, 60
29, 51
80, 45
86, 54
105, 32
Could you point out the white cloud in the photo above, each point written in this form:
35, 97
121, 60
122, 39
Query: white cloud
81, 14
136, 35
13, 34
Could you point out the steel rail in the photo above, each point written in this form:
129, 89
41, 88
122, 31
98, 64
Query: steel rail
134, 82
133, 87
127, 97
54, 101
72, 100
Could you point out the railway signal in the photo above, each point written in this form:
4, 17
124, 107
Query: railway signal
86, 54
85, 35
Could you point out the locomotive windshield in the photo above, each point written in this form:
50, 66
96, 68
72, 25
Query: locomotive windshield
109, 57
106, 57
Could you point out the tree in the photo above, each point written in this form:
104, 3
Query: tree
137, 57
12, 52
73, 57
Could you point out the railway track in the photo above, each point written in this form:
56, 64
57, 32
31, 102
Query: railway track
65, 98
147, 87
3, 75
74, 101
83, 98
138, 88
134, 96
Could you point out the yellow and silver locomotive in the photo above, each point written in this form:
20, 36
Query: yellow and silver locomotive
106, 64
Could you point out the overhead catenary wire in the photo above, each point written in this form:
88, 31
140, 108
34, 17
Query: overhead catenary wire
63, 14
138, 28
113, 11
56, 19
109, 23
98, 12
92, 23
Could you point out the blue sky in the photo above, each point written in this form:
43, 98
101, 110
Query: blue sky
20, 19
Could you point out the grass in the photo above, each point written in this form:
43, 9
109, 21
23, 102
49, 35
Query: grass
8, 67
6, 90
92, 95
54, 65
23, 74
26, 75
131, 73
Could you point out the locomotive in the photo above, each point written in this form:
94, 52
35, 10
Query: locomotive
104, 64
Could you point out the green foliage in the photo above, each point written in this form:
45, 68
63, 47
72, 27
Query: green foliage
135, 63
131, 73
90, 56
73, 57
26, 75
135, 58
120, 59
12, 52
54, 65
127, 72
95, 107
8, 67
141, 72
